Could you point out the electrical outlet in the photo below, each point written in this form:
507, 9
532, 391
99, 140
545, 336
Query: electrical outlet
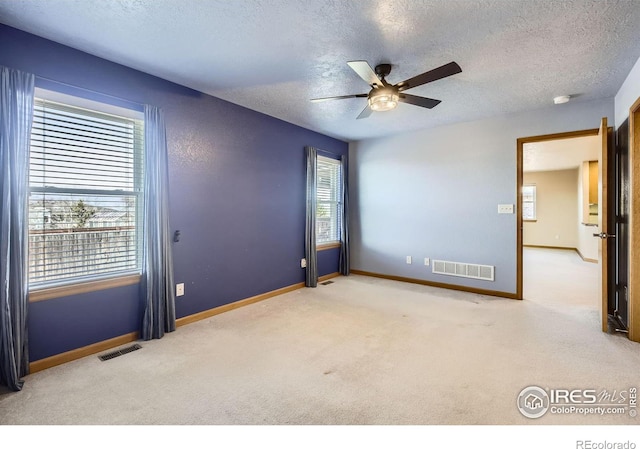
303, 263
409, 259
180, 289
426, 261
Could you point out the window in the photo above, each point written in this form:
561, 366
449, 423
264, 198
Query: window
529, 202
85, 194
328, 197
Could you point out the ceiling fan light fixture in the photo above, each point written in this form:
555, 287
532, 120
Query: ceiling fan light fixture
383, 99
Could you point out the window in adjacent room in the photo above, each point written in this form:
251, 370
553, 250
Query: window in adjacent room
328, 196
529, 202
85, 193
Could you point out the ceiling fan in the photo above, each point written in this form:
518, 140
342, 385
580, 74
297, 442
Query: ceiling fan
384, 96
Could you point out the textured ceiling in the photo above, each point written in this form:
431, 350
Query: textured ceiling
561, 154
274, 55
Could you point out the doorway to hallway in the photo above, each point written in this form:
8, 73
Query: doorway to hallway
577, 203
560, 216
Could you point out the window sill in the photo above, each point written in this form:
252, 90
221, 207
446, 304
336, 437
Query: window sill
84, 287
324, 246
529, 221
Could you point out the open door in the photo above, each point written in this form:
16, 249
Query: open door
634, 221
603, 222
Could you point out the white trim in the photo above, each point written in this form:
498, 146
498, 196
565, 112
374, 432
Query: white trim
91, 108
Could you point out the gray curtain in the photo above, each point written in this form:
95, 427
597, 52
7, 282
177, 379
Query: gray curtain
310, 252
157, 280
345, 265
16, 115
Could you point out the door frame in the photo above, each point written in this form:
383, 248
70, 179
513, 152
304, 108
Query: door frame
519, 182
634, 222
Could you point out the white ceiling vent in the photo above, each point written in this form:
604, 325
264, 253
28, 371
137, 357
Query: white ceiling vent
465, 270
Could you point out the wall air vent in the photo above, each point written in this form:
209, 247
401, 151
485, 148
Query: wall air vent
465, 270
119, 352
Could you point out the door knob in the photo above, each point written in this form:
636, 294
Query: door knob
604, 235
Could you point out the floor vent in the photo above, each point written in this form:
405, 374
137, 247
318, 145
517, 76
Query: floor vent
119, 352
326, 282
465, 270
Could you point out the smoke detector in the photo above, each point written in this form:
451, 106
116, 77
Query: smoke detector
561, 99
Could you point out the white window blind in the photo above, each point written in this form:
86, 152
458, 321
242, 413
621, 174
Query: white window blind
529, 202
85, 194
328, 216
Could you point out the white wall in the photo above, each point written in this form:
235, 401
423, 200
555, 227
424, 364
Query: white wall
434, 193
628, 94
556, 210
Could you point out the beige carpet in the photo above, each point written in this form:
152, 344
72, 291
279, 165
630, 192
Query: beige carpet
358, 351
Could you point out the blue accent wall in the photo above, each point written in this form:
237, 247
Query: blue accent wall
328, 261
237, 183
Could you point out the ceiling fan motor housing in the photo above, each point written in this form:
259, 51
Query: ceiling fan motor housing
383, 70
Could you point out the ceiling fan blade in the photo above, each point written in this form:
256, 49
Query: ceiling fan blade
432, 75
419, 101
366, 112
364, 71
318, 100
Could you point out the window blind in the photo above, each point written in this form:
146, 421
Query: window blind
85, 184
328, 217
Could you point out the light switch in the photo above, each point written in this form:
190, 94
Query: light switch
505, 208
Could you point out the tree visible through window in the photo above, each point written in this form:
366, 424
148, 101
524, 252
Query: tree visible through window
529, 202
328, 198
85, 194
